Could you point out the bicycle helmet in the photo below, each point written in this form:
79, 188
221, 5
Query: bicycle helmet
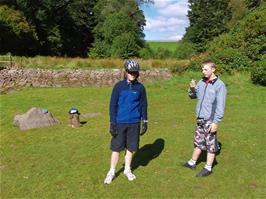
131, 66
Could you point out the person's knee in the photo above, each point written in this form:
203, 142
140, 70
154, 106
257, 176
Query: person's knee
212, 149
130, 151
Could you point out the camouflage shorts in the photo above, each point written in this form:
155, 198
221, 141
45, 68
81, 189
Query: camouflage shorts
203, 139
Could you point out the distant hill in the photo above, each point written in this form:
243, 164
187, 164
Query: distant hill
169, 45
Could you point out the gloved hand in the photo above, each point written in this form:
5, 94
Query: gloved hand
144, 127
113, 129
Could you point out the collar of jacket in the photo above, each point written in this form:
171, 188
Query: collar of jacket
211, 81
131, 82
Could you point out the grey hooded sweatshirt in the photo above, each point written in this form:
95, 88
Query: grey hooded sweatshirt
211, 99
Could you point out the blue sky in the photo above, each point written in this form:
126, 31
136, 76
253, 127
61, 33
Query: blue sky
166, 20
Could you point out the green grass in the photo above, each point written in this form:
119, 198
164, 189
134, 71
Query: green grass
56, 63
61, 162
170, 45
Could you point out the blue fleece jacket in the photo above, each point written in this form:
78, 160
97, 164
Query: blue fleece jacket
211, 99
128, 103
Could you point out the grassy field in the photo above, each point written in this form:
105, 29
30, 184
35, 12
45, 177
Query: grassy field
46, 62
169, 45
61, 162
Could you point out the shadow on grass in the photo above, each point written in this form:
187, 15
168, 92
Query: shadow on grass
145, 154
203, 156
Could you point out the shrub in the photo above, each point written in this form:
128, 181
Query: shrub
179, 67
229, 60
249, 33
146, 52
196, 61
258, 73
185, 50
162, 53
219, 43
100, 49
125, 46
247, 36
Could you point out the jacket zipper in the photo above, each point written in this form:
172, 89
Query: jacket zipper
202, 99
130, 85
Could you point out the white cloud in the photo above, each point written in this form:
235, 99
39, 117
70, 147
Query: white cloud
168, 19
174, 10
170, 8
175, 37
163, 24
161, 3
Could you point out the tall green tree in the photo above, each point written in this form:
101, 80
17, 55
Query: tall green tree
76, 23
64, 27
17, 35
253, 3
239, 10
208, 19
120, 25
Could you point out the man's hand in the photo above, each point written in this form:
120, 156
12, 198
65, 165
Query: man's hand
113, 129
192, 85
144, 127
213, 128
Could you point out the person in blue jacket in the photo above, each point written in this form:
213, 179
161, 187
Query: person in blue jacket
128, 109
210, 93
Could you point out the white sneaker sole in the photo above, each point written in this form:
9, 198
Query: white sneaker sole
108, 180
131, 178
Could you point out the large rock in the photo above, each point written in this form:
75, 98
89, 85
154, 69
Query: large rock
35, 118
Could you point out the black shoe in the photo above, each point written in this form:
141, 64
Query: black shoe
204, 172
189, 166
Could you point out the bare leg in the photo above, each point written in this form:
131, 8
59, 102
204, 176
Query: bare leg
111, 173
196, 153
128, 159
114, 159
210, 158
127, 171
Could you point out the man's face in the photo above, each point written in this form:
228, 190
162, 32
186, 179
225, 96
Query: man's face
207, 70
131, 76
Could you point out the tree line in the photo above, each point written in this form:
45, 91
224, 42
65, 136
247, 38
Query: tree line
71, 27
103, 28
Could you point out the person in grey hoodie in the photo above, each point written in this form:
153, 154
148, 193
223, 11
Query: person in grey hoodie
210, 92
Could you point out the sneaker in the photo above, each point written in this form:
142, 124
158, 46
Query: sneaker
109, 177
189, 166
130, 175
204, 172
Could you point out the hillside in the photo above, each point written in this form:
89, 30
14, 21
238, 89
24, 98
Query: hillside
169, 45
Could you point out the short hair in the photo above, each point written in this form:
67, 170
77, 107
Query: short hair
210, 63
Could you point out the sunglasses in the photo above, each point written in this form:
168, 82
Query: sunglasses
134, 73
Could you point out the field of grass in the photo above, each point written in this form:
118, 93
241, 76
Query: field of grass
61, 162
169, 45
46, 62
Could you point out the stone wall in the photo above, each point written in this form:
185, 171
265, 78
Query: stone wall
11, 78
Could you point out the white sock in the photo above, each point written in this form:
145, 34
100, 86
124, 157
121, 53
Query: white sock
112, 170
208, 167
191, 162
127, 168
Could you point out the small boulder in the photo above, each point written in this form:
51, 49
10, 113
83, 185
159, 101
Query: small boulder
35, 118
